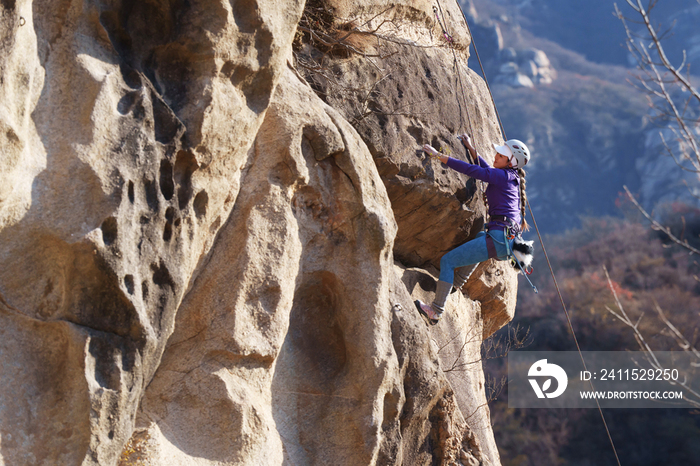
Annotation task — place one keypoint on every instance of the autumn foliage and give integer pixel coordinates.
(643, 270)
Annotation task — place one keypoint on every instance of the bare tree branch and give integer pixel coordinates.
(684, 344)
(656, 82)
(657, 226)
(319, 39)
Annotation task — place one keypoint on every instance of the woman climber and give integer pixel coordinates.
(506, 204)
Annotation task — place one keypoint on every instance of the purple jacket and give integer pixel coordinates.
(503, 193)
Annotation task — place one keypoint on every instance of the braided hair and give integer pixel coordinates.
(523, 201)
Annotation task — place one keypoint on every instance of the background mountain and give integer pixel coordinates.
(590, 129)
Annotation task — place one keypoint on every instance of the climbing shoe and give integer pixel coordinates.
(427, 311)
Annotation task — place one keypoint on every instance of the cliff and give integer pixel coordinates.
(213, 224)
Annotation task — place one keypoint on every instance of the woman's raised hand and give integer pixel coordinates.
(431, 151)
(466, 140)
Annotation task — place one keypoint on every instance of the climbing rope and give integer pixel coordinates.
(443, 25)
(539, 235)
(448, 37)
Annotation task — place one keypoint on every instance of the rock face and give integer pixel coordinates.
(209, 251)
(524, 68)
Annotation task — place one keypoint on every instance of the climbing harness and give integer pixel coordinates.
(511, 232)
(539, 236)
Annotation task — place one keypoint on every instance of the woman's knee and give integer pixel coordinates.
(469, 253)
(446, 262)
(451, 260)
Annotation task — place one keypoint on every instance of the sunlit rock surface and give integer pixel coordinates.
(208, 256)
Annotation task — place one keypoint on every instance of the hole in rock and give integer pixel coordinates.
(109, 231)
(104, 354)
(167, 186)
(321, 348)
(166, 123)
(151, 194)
(185, 165)
(127, 102)
(161, 276)
(201, 201)
(129, 283)
(168, 230)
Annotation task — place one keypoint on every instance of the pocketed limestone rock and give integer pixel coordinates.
(495, 285)
(282, 339)
(197, 248)
(123, 149)
(404, 86)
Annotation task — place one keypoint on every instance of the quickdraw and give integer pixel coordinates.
(445, 34)
(526, 270)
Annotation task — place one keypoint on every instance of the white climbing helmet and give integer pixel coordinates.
(516, 151)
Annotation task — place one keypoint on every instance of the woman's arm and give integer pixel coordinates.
(483, 171)
(467, 142)
(483, 163)
(430, 150)
(487, 174)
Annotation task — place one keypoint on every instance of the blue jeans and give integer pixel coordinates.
(473, 252)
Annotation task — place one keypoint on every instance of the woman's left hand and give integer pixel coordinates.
(431, 151)
(466, 140)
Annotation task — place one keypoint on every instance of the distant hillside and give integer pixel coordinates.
(643, 269)
(589, 129)
(591, 29)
